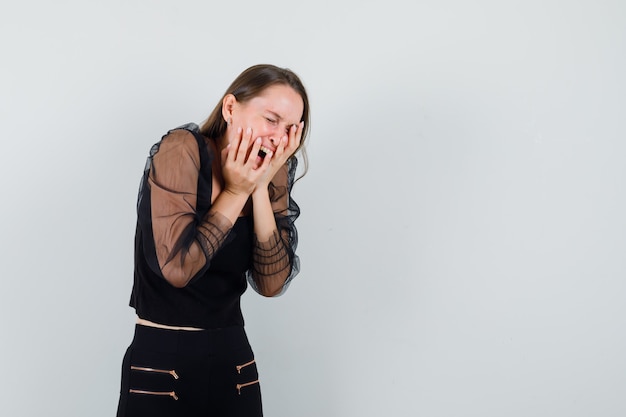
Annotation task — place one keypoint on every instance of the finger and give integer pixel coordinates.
(254, 152)
(244, 145)
(282, 144)
(299, 131)
(266, 162)
(295, 135)
(234, 144)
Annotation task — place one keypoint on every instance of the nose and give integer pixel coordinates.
(275, 136)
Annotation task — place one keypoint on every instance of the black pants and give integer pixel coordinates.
(209, 373)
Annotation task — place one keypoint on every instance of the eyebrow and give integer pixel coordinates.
(279, 117)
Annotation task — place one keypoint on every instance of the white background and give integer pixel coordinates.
(462, 233)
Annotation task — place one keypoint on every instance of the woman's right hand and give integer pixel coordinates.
(239, 163)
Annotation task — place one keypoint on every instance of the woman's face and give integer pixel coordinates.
(270, 114)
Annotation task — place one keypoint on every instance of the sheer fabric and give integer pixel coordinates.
(275, 261)
(191, 264)
(185, 238)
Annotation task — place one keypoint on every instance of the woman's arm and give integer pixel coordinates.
(184, 242)
(274, 262)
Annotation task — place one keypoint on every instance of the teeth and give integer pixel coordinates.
(265, 150)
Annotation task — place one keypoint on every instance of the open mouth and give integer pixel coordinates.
(264, 151)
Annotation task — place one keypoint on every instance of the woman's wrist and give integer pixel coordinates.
(261, 191)
(229, 204)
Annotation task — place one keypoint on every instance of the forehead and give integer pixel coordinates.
(281, 100)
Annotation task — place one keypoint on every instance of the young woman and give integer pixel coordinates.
(214, 213)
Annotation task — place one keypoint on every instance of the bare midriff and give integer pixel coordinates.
(149, 323)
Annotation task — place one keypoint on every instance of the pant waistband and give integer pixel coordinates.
(181, 341)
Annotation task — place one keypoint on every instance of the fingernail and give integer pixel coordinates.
(249, 130)
(258, 140)
(239, 129)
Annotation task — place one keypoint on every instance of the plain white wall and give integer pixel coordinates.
(462, 229)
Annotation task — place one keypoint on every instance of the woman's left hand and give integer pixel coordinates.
(286, 148)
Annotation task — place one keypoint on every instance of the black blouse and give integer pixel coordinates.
(191, 265)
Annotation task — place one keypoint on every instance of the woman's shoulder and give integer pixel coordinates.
(183, 133)
(177, 143)
(185, 137)
(189, 127)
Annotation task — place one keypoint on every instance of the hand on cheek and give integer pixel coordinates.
(295, 136)
(240, 169)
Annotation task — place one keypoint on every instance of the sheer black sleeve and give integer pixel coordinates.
(274, 262)
(185, 239)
